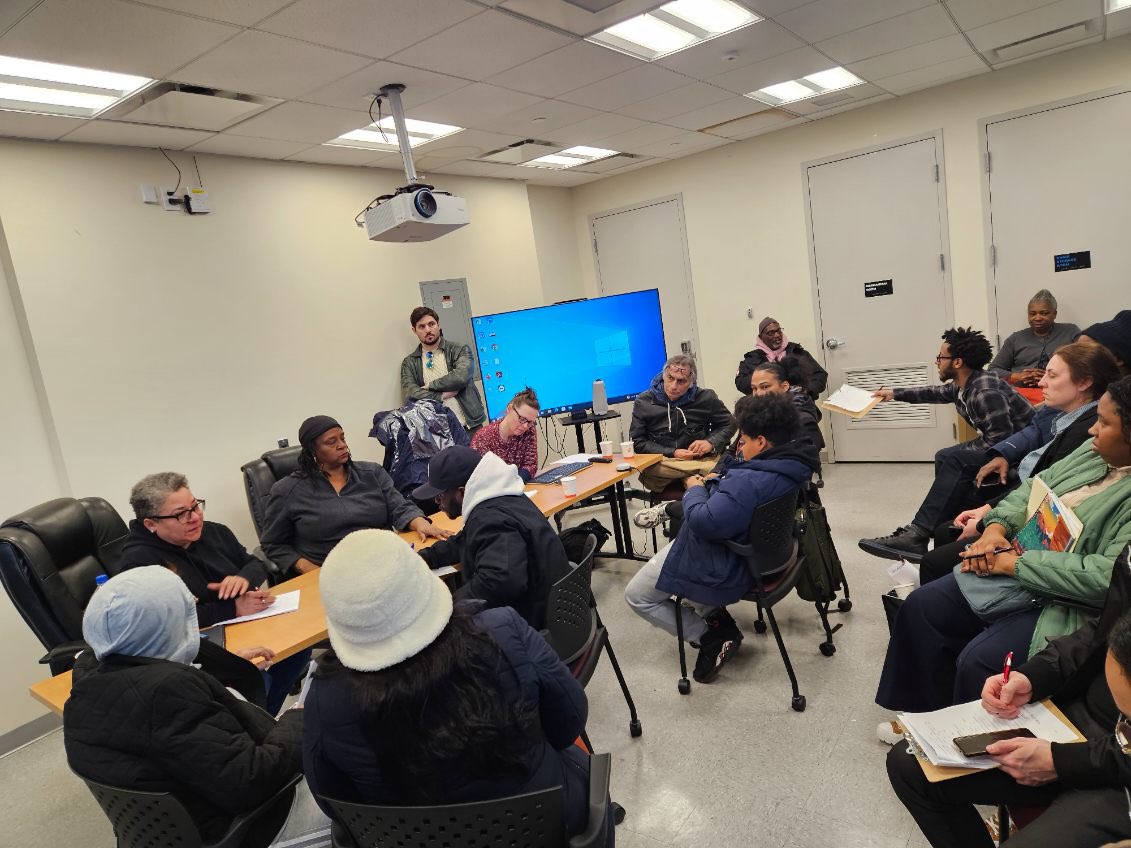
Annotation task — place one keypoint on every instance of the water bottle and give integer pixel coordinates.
(99, 580)
(600, 400)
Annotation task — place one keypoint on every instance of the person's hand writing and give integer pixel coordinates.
(1028, 761)
(252, 654)
(998, 466)
(255, 601)
(884, 394)
(693, 480)
(428, 530)
(682, 453)
(230, 586)
(1005, 700)
(700, 447)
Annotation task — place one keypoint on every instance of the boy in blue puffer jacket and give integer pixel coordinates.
(770, 462)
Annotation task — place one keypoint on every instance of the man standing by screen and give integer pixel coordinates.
(440, 370)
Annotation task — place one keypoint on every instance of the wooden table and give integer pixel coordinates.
(292, 632)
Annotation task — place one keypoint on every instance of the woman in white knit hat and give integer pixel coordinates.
(418, 703)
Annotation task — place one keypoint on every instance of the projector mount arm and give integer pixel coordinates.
(392, 94)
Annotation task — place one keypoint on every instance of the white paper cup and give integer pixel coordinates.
(627, 450)
(569, 486)
(606, 448)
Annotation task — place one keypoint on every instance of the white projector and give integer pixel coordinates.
(416, 216)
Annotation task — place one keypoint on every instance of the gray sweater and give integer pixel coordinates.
(1025, 349)
(306, 517)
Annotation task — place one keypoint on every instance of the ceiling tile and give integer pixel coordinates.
(391, 162)
(27, 125)
(566, 179)
(910, 58)
(683, 144)
(483, 169)
(335, 155)
(676, 102)
(596, 129)
(605, 166)
(762, 122)
(846, 107)
(835, 100)
(305, 122)
(631, 86)
(971, 14)
(825, 18)
(468, 144)
(718, 113)
(926, 24)
(575, 65)
(649, 134)
(11, 11)
(743, 47)
(788, 66)
(772, 8)
(372, 29)
(538, 119)
(242, 12)
(111, 35)
(474, 105)
(935, 74)
(258, 148)
(573, 17)
(262, 63)
(484, 45)
(1055, 15)
(356, 90)
(135, 135)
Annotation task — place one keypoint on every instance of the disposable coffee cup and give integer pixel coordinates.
(627, 450)
(569, 486)
(606, 448)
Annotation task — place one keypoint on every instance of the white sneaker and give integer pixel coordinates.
(890, 732)
(652, 516)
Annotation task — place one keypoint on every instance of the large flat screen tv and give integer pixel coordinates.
(560, 350)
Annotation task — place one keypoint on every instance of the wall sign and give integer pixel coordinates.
(1072, 261)
(878, 288)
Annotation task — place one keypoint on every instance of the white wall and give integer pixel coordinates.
(192, 343)
(551, 213)
(744, 202)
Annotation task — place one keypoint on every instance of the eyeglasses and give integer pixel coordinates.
(940, 358)
(775, 331)
(522, 419)
(183, 515)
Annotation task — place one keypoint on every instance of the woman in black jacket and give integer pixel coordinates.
(141, 717)
(418, 705)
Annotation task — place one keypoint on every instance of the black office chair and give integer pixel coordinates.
(575, 631)
(774, 560)
(259, 476)
(158, 820)
(533, 820)
(50, 556)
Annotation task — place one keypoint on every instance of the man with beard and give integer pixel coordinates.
(987, 402)
(509, 554)
(440, 370)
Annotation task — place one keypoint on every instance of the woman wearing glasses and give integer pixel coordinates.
(221, 575)
(514, 437)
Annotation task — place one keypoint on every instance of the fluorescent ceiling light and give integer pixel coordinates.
(571, 157)
(821, 82)
(382, 135)
(675, 26)
(50, 89)
(1116, 6)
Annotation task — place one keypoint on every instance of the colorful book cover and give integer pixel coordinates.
(1051, 527)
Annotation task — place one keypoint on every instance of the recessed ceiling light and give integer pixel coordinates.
(1116, 6)
(382, 135)
(821, 82)
(673, 27)
(46, 88)
(571, 157)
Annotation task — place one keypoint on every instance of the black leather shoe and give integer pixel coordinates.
(907, 543)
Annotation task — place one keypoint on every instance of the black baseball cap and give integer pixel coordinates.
(449, 469)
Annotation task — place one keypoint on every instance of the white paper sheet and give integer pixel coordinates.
(851, 398)
(444, 570)
(284, 603)
(935, 732)
(574, 457)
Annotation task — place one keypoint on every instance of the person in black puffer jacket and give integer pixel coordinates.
(772, 347)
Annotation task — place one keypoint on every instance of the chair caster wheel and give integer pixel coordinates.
(634, 728)
(828, 649)
(799, 703)
(618, 813)
(684, 686)
(844, 604)
(759, 626)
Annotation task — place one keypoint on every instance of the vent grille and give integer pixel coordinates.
(832, 99)
(892, 415)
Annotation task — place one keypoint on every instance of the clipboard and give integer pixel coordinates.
(855, 416)
(850, 394)
(937, 774)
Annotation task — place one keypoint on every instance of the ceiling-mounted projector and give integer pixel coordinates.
(416, 214)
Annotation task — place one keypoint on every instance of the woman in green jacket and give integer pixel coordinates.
(954, 632)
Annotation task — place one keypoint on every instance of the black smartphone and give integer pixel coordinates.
(975, 745)
(600, 459)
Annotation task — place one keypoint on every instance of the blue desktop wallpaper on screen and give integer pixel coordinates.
(560, 350)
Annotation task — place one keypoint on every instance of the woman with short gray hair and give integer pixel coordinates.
(1024, 355)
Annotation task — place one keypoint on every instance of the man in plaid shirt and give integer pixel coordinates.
(988, 403)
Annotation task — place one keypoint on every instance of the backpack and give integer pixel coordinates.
(821, 574)
(573, 538)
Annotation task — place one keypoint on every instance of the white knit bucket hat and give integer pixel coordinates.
(383, 604)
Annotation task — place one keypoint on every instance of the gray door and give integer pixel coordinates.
(883, 292)
(450, 300)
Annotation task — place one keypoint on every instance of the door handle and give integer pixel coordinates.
(833, 344)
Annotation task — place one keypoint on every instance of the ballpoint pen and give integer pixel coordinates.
(1008, 666)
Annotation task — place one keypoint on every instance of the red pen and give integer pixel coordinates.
(1008, 666)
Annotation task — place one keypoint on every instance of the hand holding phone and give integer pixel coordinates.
(975, 745)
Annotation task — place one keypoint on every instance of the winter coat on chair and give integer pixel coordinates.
(412, 435)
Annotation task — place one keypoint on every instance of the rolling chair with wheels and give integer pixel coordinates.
(259, 476)
(158, 820)
(576, 633)
(532, 820)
